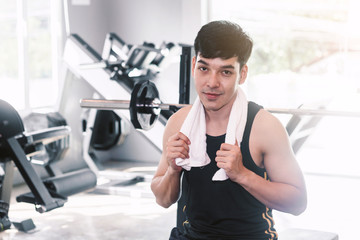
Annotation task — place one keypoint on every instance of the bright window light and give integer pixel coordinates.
(28, 67)
(305, 53)
(300, 48)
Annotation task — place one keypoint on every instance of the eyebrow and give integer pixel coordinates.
(223, 67)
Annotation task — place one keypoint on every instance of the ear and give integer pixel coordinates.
(193, 65)
(243, 74)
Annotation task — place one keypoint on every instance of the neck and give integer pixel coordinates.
(217, 120)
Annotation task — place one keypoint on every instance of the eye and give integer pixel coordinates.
(227, 73)
(202, 69)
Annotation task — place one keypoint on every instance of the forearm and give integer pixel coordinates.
(166, 188)
(280, 196)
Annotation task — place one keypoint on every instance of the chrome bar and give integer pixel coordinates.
(104, 104)
(313, 112)
(156, 104)
(124, 104)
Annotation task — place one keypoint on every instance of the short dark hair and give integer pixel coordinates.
(223, 39)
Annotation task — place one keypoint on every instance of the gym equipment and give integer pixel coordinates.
(142, 93)
(136, 62)
(299, 234)
(111, 74)
(125, 68)
(18, 146)
(107, 130)
(144, 106)
(313, 112)
(4, 219)
(153, 105)
(25, 225)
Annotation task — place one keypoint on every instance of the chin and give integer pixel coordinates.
(212, 107)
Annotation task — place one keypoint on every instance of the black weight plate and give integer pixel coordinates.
(142, 116)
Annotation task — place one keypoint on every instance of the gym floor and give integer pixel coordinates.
(130, 212)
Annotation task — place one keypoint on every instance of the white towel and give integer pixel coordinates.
(194, 127)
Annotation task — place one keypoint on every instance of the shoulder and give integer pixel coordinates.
(267, 122)
(264, 118)
(268, 130)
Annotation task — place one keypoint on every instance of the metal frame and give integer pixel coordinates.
(124, 104)
(42, 199)
(314, 112)
(185, 75)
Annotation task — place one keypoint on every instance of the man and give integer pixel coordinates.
(262, 172)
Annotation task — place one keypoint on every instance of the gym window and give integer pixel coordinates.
(306, 52)
(30, 51)
(300, 45)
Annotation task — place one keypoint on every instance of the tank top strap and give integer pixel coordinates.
(253, 109)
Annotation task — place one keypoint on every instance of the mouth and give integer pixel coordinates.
(211, 96)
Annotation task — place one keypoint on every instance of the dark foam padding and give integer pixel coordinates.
(71, 183)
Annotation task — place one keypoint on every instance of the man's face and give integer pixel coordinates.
(216, 81)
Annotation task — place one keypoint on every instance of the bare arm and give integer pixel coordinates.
(166, 181)
(286, 191)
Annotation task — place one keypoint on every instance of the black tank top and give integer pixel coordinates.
(224, 209)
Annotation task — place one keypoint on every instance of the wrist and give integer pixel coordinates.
(244, 177)
(174, 172)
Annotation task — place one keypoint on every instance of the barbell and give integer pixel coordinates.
(145, 106)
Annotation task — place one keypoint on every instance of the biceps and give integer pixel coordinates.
(284, 170)
(280, 162)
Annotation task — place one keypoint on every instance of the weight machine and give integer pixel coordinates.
(125, 65)
(119, 72)
(18, 146)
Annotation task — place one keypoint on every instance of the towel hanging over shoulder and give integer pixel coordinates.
(194, 127)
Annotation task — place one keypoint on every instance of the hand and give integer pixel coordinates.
(229, 158)
(177, 147)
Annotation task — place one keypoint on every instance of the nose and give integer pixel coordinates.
(213, 81)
